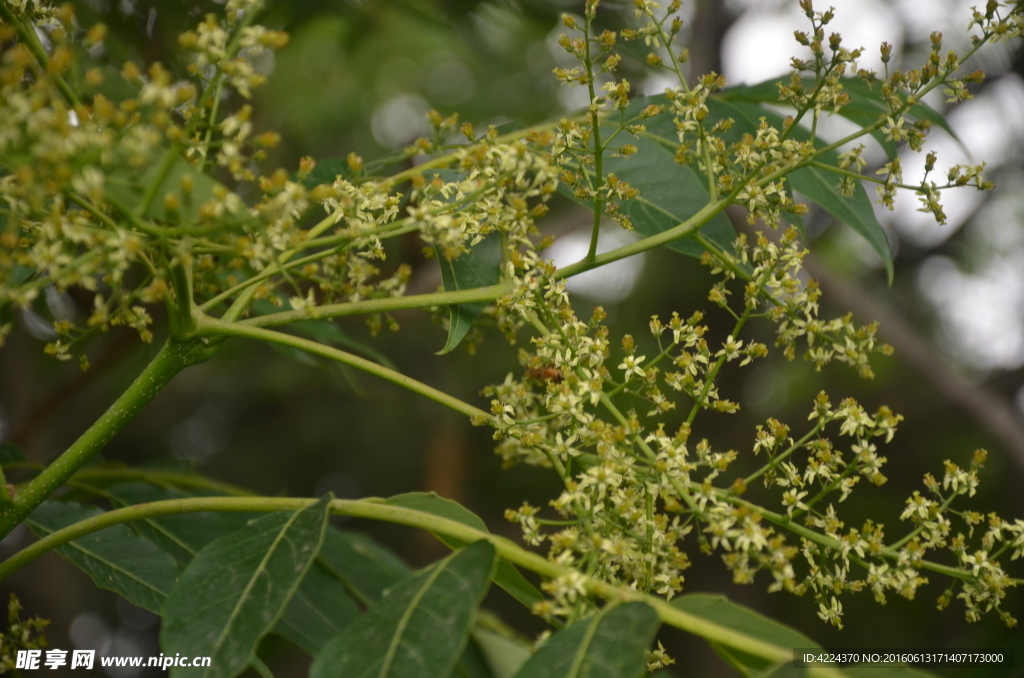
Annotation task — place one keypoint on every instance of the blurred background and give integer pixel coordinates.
(359, 75)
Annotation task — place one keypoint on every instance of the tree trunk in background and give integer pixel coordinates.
(710, 24)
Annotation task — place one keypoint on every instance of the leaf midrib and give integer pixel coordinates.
(252, 581)
(403, 621)
(588, 638)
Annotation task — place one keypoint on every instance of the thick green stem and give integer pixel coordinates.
(375, 509)
(171, 359)
(182, 323)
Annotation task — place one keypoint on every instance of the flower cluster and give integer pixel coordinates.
(488, 189)
(635, 491)
(116, 197)
(95, 193)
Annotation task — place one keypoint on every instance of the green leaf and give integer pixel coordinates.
(420, 628)
(10, 454)
(321, 607)
(327, 171)
(611, 644)
(865, 108)
(504, 655)
(815, 184)
(861, 91)
(366, 568)
(722, 611)
(670, 194)
(856, 212)
(472, 663)
(238, 586)
(506, 575)
(319, 611)
(480, 267)
(126, 187)
(115, 558)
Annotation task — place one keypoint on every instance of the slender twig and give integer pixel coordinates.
(31, 40)
(595, 131)
(211, 327)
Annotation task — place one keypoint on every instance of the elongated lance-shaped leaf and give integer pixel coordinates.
(866, 106)
(669, 194)
(722, 611)
(115, 558)
(505, 574)
(366, 568)
(238, 586)
(420, 628)
(817, 185)
(505, 656)
(611, 644)
(479, 267)
(321, 607)
(319, 611)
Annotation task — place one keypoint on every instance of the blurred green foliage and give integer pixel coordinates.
(357, 76)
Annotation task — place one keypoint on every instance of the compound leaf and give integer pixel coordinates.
(321, 607)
